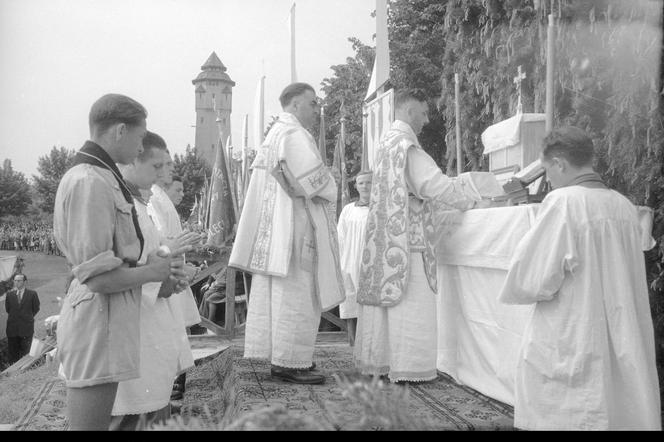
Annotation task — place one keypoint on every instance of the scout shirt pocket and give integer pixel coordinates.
(125, 240)
(78, 293)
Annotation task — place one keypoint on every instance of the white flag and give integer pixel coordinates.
(291, 26)
(259, 114)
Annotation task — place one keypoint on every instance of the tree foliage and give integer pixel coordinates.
(15, 196)
(193, 170)
(608, 82)
(348, 87)
(51, 168)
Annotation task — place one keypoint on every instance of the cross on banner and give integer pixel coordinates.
(517, 80)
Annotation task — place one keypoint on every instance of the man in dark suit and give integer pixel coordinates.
(22, 305)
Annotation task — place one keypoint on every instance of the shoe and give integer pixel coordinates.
(178, 392)
(296, 376)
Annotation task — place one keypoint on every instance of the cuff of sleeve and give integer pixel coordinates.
(102, 263)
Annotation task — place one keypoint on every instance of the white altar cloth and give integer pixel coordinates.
(479, 338)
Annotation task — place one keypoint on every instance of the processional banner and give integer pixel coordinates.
(377, 116)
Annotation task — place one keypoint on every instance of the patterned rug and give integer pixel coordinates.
(229, 389)
(47, 410)
(239, 389)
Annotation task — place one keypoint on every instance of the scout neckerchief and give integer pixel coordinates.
(94, 155)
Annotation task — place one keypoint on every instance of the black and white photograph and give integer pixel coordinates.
(331, 215)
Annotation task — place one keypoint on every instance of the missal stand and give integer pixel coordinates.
(513, 147)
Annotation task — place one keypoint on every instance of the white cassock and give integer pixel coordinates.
(167, 220)
(164, 349)
(351, 230)
(587, 360)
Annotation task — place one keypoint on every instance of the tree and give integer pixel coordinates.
(193, 170)
(52, 168)
(348, 87)
(15, 194)
(416, 51)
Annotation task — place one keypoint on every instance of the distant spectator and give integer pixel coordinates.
(21, 305)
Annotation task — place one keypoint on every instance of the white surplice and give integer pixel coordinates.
(164, 345)
(287, 240)
(351, 230)
(401, 340)
(587, 359)
(167, 220)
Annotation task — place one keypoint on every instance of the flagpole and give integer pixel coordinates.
(231, 182)
(342, 153)
(292, 36)
(365, 140)
(321, 137)
(457, 94)
(208, 204)
(550, 70)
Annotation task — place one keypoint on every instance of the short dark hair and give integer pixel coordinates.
(151, 142)
(362, 173)
(571, 143)
(25, 278)
(177, 178)
(404, 96)
(292, 91)
(113, 109)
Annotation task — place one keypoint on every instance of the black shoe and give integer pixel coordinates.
(296, 376)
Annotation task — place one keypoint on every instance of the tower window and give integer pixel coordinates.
(202, 120)
(214, 96)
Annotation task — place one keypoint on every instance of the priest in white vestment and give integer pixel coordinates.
(287, 239)
(351, 230)
(164, 345)
(587, 359)
(397, 326)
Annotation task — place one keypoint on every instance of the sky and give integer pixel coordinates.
(58, 56)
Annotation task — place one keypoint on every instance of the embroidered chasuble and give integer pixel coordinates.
(399, 223)
(288, 167)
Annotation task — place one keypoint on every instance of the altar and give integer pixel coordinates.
(478, 337)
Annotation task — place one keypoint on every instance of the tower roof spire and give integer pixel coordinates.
(213, 63)
(213, 69)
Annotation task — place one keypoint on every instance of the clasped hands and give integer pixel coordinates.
(171, 253)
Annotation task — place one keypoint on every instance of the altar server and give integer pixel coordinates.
(587, 360)
(351, 228)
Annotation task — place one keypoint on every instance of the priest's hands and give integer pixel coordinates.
(484, 203)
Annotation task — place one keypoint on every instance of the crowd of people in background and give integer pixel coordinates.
(28, 237)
